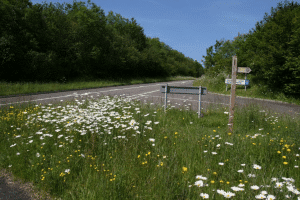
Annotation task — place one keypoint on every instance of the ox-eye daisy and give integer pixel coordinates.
(204, 196)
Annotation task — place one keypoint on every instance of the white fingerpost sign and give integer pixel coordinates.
(245, 70)
(244, 82)
(238, 81)
(184, 90)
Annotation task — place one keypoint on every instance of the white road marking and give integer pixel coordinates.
(252, 98)
(76, 94)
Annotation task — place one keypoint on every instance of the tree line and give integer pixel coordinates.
(271, 50)
(47, 42)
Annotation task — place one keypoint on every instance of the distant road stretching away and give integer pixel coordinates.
(150, 93)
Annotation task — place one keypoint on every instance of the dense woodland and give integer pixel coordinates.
(48, 42)
(271, 50)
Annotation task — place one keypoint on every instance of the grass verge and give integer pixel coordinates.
(115, 148)
(9, 89)
(255, 90)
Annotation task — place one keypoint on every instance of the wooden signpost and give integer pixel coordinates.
(233, 81)
(232, 96)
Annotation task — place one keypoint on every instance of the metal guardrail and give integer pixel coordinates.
(184, 90)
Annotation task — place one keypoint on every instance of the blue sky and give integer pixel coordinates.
(189, 26)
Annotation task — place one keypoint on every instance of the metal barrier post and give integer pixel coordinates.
(199, 106)
(227, 84)
(166, 89)
(245, 80)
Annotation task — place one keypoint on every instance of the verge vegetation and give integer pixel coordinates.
(254, 90)
(7, 89)
(270, 49)
(115, 148)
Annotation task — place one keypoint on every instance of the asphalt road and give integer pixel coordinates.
(150, 93)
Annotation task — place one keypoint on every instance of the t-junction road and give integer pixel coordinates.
(150, 93)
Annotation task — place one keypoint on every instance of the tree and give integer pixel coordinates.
(273, 50)
(209, 62)
(88, 37)
(49, 29)
(50, 41)
(14, 40)
(127, 41)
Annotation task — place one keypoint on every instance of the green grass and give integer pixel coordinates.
(75, 150)
(29, 88)
(255, 90)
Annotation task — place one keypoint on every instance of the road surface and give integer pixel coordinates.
(150, 93)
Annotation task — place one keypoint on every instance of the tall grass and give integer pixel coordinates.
(117, 148)
(254, 90)
(37, 87)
